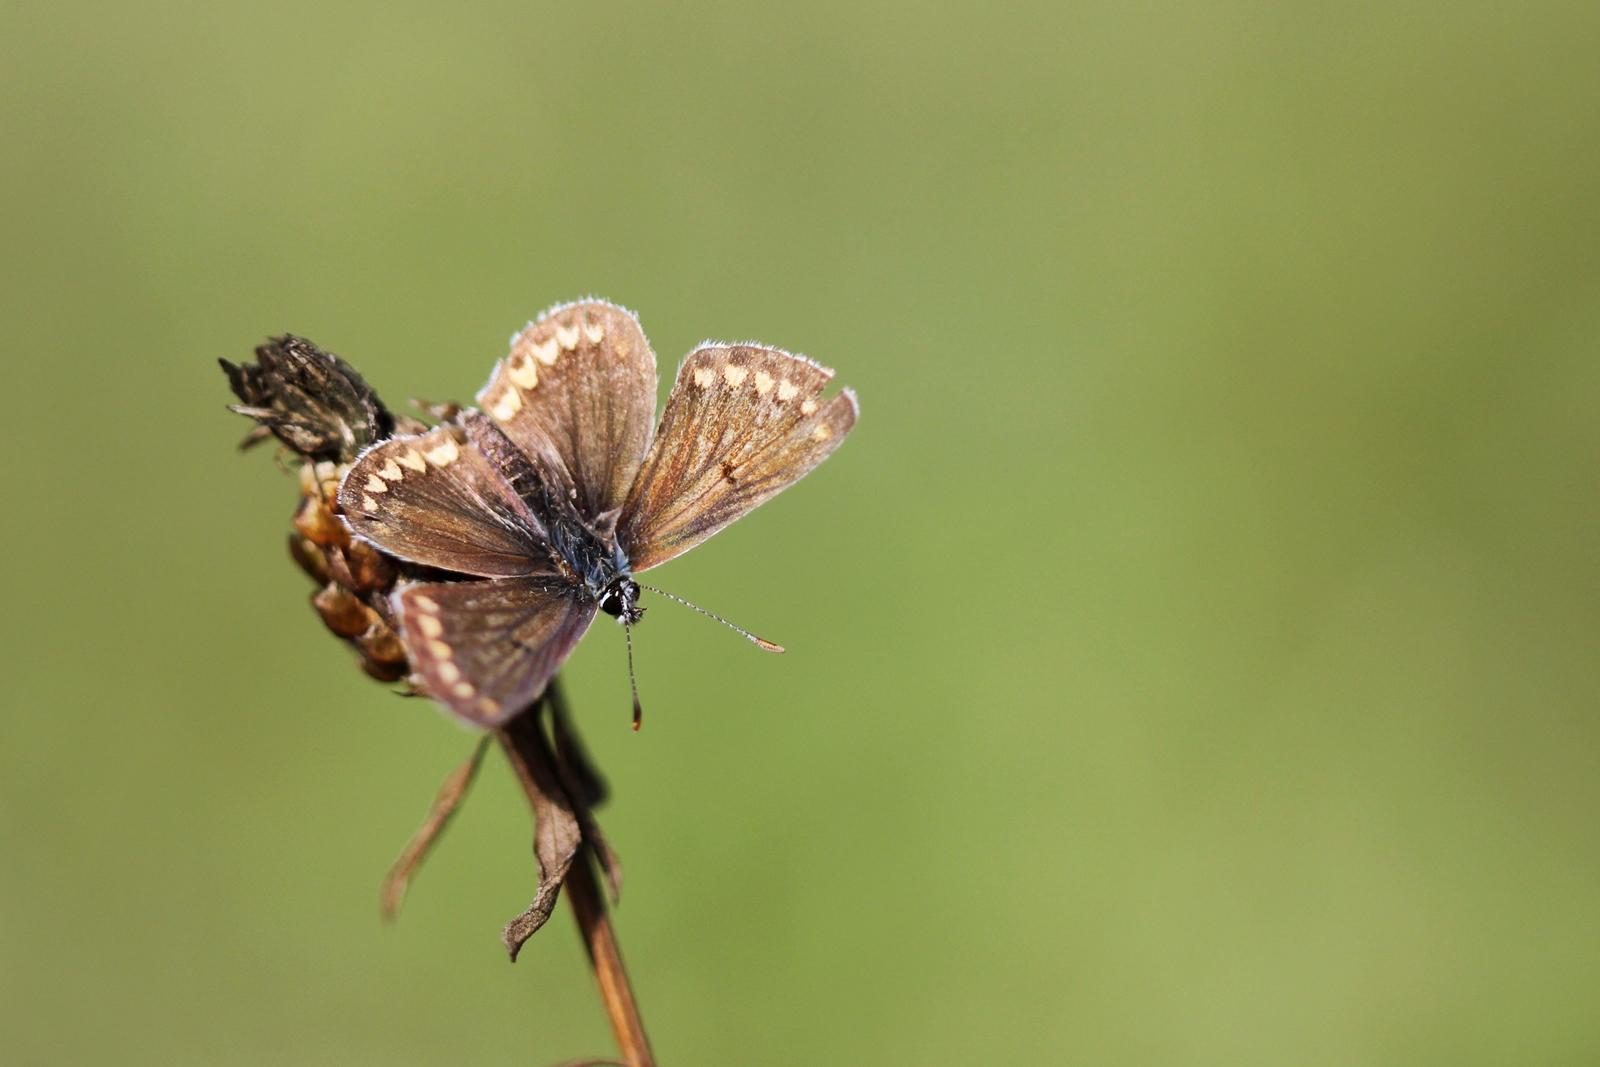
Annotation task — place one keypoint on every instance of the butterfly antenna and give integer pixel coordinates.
(638, 712)
(768, 645)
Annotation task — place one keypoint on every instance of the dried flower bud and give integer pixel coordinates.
(370, 570)
(311, 558)
(317, 522)
(342, 611)
(381, 647)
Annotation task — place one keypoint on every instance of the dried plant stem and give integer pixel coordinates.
(600, 938)
(594, 922)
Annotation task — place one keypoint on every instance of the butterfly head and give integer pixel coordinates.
(621, 600)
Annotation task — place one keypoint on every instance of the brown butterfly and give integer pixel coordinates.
(558, 493)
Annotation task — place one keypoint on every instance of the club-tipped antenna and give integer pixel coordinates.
(768, 645)
(638, 712)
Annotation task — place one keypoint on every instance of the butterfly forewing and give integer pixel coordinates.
(742, 423)
(580, 384)
(487, 649)
(434, 499)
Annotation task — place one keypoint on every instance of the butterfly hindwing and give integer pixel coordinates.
(486, 649)
(435, 499)
(742, 423)
(580, 384)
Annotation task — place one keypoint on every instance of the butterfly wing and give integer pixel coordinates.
(437, 500)
(486, 649)
(580, 385)
(742, 423)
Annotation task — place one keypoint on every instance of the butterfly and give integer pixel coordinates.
(555, 492)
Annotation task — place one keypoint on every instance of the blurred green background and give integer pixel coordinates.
(1193, 654)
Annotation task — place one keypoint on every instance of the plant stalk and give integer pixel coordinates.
(594, 925)
(600, 938)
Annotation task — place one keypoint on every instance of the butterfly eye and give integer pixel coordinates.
(619, 600)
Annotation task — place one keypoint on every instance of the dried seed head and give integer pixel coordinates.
(311, 400)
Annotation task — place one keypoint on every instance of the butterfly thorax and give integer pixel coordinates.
(584, 549)
(593, 561)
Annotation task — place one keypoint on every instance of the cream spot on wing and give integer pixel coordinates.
(426, 603)
(463, 689)
(508, 405)
(444, 454)
(376, 484)
(734, 374)
(821, 433)
(764, 382)
(567, 338)
(546, 353)
(808, 407)
(594, 331)
(429, 625)
(440, 650)
(787, 390)
(368, 504)
(489, 706)
(622, 345)
(449, 673)
(391, 470)
(524, 375)
(413, 459)
(703, 376)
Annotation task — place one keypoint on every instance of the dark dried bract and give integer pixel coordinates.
(311, 400)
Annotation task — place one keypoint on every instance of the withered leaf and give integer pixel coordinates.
(557, 835)
(583, 784)
(444, 805)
